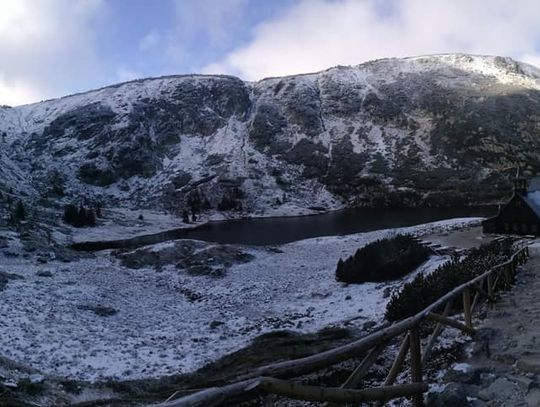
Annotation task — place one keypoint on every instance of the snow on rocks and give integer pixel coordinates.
(168, 321)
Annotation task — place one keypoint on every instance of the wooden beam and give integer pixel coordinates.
(436, 332)
(216, 395)
(337, 395)
(480, 290)
(451, 322)
(396, 366)
(361, 370)
(490, 285)
(308, 364)
(416, 364)
(398, 362)
(213, 395)
(467, 307)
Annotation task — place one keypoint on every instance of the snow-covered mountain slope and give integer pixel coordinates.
(428, 130)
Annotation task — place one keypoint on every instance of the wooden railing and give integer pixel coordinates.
(265, 378)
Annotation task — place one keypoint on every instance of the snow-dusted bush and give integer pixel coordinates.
(382, 260)
(426, 289)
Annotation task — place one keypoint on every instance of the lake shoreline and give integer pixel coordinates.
(264, 231)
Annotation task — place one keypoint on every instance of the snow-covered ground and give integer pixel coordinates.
(170, 322)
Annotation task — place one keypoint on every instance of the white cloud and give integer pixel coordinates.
(316, 34)
(210, 24)
(149, 41)
(46, 47)
(16, 93)
(125, 74)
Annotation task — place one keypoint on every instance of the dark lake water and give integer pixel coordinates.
(271, 231)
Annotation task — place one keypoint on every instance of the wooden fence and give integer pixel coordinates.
(472, 293)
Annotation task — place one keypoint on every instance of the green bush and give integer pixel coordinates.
(426, 289)
(382, 260)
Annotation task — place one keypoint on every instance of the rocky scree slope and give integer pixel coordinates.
(432, 130)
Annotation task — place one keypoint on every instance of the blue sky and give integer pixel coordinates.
(49, 48)
(149, 37)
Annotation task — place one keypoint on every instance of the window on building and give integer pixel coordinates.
(534, 228)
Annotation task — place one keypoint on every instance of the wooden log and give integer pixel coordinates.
(436, 332)
(476, 299)
(416, 364)
(396, 366)
(451, 322)
(214, 396)
(337, 395)
(467, 307)
(361, 370)
(489, 281)
(480, 290)
(308, 364)
(497, 279)
(509, 272)
(398, 362)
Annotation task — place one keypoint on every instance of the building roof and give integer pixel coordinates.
(534, 184)
(533, 200)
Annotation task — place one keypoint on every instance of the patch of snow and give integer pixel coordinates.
(461, 367)
(158, 330)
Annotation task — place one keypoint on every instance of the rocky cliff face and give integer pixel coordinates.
(432, 130)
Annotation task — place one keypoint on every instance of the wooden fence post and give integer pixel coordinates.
(436, 332)
(416, 364)
(467, 307)
(490, 285)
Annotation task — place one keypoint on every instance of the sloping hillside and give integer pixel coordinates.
(433, 130)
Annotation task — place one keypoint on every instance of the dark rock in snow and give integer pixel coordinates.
(99, 310)
(453, 395)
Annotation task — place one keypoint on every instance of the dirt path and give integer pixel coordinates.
(504, 367)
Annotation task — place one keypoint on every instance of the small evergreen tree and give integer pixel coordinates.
(90, 218)
(98, 209)
(81, 214)
(20, 211)
(185, 216)
(71, 215)
(206, 204)
(79, 217)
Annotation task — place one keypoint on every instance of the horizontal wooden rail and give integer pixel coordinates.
(265, 377)
(339, 395)
(451, 322)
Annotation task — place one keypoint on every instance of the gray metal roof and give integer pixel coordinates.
(534, 184)
(533, 200)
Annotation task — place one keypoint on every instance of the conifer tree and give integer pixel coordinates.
(185, 216)
(20, 211)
